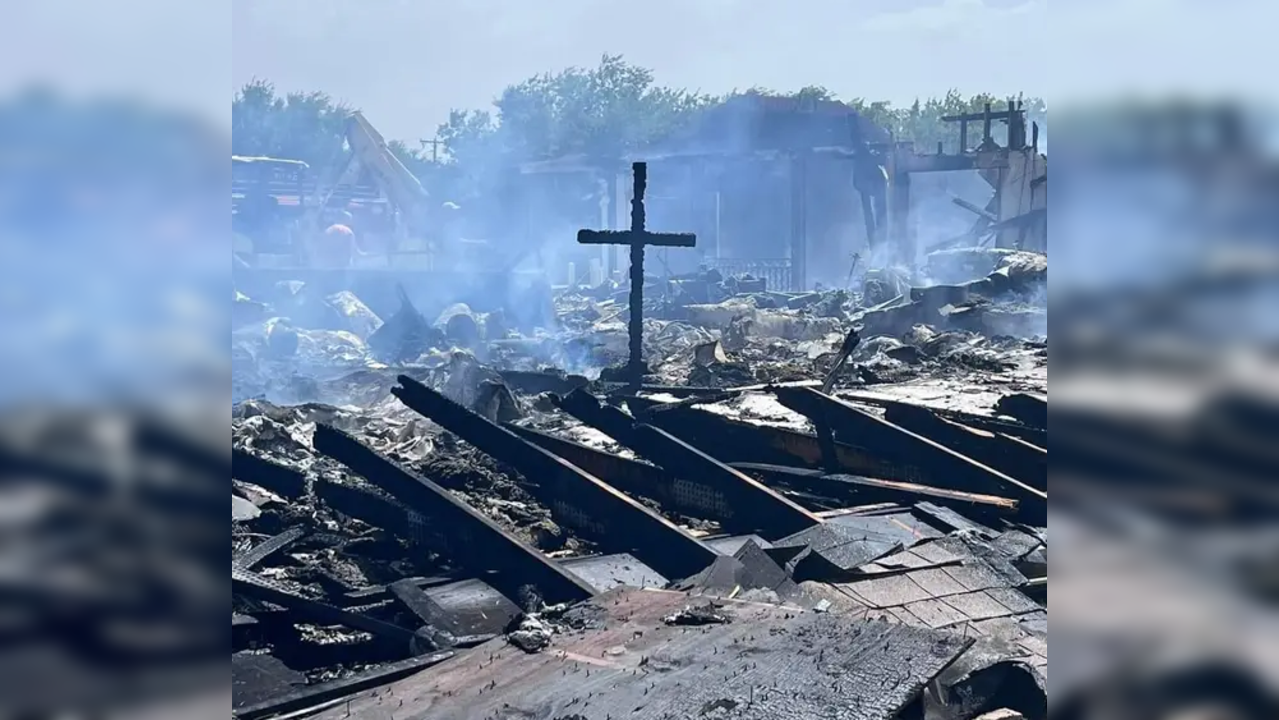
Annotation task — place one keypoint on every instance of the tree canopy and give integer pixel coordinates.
(604, 111)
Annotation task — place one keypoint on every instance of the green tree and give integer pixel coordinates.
(296, 126)
(604, 111)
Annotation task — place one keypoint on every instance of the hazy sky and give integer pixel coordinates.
(407, 62)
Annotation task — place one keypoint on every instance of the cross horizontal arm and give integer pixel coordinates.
(628, 237)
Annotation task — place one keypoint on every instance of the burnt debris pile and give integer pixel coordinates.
(796, 493)
(697, 494)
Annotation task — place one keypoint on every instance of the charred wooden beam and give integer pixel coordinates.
(1027, 409)
(1001, 115)
(951, 469)
(853, 490)
(379, 593)
(763, 511)
(441, 625)
(1010, 456)
(277, 478)
(475, 541)
(650, 481)
(371, 508)
(265, 549)
(740, 441)
(738, 502)
(629, 476)
(249, 584)
(576, 498)
(1033, 435)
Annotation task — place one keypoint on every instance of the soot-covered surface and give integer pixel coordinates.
(767, 663)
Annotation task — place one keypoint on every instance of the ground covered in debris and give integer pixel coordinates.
(329, 564)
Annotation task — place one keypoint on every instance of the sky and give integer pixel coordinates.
(406, 63)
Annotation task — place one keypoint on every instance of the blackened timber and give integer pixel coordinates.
(854, 490)
(249, 584)
(265, 549)
(476, 542)
(1007, 455)
(277, 478)
(898, 444)
(762, 510)
(378, 593)
(576, 498)
(424, 607)
(369, 507)
(734, 441)
(738, 502)
(629, 476)
(1029, 409)
(1032, 435)
(632, 476)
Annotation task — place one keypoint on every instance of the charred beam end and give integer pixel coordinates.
(577, 498)
(609, 420)
(265, 549)
(711, 488)
(374, 509)
(478, 542)
(280, 480)
(244, 582)
(660, 484)
(629, 476)
(759, 507)
(426, 609)
(1014, 458)
(740, 441)
(1027, 434)
(1027, 409)
(902, 445)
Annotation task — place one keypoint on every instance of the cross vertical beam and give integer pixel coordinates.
(637, 238)
(635, 366)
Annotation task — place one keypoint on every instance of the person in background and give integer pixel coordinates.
(337, 246)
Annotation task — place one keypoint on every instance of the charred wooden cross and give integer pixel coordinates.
(637, 238)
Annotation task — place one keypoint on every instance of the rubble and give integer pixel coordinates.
(815, 476)
(405, 336)
(533, 634)
(694, 616)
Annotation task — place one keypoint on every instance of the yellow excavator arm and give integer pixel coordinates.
(370, 152)
(402, 188)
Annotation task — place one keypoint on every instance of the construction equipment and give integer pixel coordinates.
(394, 208)
(401, 236)
(370, 153)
